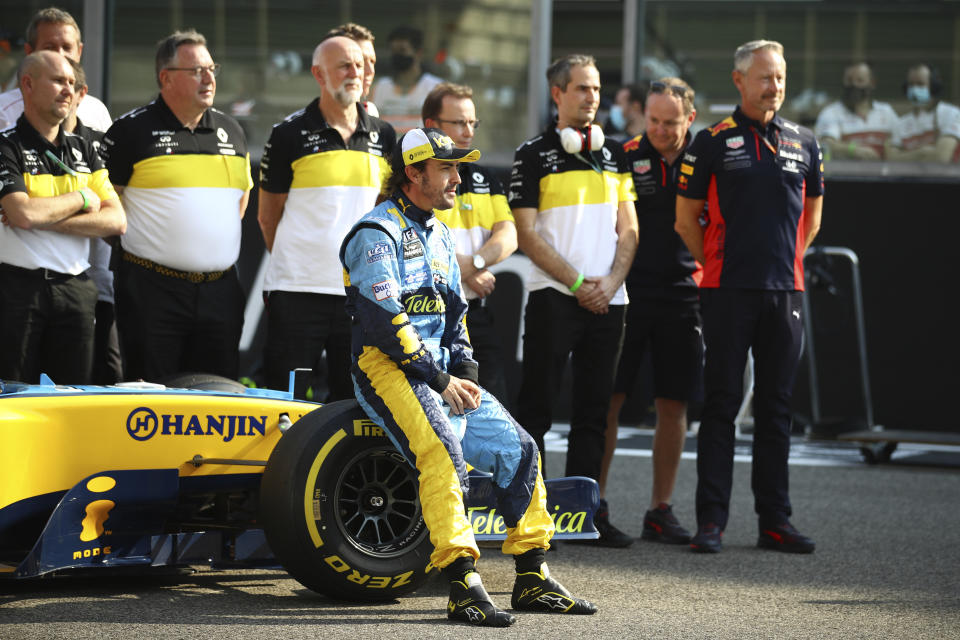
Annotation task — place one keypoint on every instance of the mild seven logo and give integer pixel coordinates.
(143, 423)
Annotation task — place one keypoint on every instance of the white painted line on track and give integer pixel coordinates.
(803, 453)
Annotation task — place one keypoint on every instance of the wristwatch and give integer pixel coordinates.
(479, 262)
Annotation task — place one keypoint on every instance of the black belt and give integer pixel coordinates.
(38, 274)
(191, 276)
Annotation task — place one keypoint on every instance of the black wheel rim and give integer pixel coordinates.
(378, 508)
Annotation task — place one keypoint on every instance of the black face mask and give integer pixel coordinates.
(855, 95)
(401, 62)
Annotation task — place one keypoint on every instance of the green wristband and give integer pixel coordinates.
(576, 285)
(851, 147)
(86, 203)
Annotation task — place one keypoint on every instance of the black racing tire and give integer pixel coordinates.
(340, 509)
(202, 382)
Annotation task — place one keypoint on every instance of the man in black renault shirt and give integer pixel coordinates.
(762, 181)
(183, 171)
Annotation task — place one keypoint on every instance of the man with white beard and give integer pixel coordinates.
(320, 172)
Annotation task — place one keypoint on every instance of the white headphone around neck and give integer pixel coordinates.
(577, 140)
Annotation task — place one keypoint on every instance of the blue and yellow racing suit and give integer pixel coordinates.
(404, 295)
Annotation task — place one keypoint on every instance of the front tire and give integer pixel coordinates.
(340, 508)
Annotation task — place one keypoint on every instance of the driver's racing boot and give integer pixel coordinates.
(535, 590)
(469, 601)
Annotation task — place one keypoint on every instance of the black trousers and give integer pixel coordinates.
(487, 350)
(46, 325)
(734, 321)
(555, 327)
(169, 326)
(300, 328)
(107, 364)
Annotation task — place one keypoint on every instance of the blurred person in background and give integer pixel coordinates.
(930, 130)
(53, 29)
(400, 95)
(482, 225)
(856, 127)
(625, 120)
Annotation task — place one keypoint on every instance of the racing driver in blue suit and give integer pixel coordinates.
(414, 375)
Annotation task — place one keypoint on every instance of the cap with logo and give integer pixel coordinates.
(426, 143)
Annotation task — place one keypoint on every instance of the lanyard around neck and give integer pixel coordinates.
(60, 163)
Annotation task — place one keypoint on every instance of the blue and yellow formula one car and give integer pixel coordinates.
(154, 475)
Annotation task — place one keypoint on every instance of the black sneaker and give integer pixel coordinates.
(783, 537)
(661, 525)
(708, 539)
(537, 591)
(470, 603)
(610, 536)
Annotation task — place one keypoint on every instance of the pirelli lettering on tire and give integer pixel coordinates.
(367, 428)
(371, 582)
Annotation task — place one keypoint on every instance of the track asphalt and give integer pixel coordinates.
(887, 565)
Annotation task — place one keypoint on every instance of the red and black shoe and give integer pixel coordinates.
(709, 539)
(784, 537)
(661, 525)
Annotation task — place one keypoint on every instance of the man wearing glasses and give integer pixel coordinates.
(183, 171)
(482, 224)
(762, 178)
(663, 316)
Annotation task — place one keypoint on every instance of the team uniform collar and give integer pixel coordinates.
(314, 114)
(206, 120)
(741, 118)
(32, 137)
(412, 211)
(645, 147)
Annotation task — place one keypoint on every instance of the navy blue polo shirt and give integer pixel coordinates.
(755, 180)
(662, 267)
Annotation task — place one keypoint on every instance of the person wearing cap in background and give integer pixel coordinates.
(415, 376)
